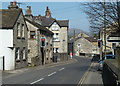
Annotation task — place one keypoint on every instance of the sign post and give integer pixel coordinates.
(79, 48)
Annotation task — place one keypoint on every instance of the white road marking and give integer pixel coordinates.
(51, 74)
(61, 69)
(37, 81)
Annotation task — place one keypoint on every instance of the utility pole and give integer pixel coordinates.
(101, 32)
(101, 38)
(105, 28)
(74, 43)
(118, 7)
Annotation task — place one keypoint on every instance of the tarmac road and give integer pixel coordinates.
(63, 74)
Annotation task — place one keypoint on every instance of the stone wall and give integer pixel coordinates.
(21, 42)
(60, 57)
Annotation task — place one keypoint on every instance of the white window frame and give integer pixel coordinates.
(23, 30)
(18, 54)
(24, 54)
(18, 29)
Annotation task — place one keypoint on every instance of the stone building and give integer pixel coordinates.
(35, 32)
(84, 46)
(73, 38)
(13, 36)
(112, 39)
(59, 28)
(81, 34)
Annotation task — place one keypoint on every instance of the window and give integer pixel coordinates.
(32, 34)
(18, 29)
(23, 29)
(56, 37)
(24, 53)
(46, 43)
(56, 34)
(56, 50)
(55, 26)
(17, 54)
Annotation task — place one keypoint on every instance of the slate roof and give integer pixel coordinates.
(48, 21)
(9, 17)
(72, 40)
(91, 39)
(63, 23)
(39, 26)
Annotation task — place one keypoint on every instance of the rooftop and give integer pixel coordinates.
(9, 17)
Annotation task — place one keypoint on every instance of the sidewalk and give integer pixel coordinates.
(92, 76)
(8, 73)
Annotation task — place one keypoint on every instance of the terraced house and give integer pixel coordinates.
(59, 28)
(38, 55)
(13, 36)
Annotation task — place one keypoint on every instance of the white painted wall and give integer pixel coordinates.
(1, 63)
(6, 40)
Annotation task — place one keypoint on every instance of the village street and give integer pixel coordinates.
(60, 43)
(63, 74)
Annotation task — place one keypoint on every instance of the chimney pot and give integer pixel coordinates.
(29, 7)
(28, 10)
(47, 13)
(14, 3)
(11, 3)
(47, 8)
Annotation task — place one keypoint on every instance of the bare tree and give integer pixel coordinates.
(95, 12)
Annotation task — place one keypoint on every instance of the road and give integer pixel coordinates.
(62, 74)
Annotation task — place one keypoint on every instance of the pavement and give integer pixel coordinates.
(92, 77)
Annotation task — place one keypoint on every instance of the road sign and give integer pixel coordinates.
(78, 45)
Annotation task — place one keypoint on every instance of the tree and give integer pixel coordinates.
(95, 12)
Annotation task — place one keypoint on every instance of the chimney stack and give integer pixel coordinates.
(47, 13)
(13, 5)
(28, 10)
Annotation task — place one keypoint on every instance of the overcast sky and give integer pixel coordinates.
(60, 10)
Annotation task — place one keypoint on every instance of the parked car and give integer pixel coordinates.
(110, 56)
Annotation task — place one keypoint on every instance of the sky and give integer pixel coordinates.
(72, 11)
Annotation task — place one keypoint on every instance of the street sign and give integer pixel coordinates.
(78, 45)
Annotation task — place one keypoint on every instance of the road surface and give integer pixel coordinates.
(62, 74)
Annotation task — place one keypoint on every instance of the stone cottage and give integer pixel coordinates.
(13, 36)
(37, 54)
(60, 30)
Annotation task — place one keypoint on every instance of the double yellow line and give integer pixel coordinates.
(84, 76)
